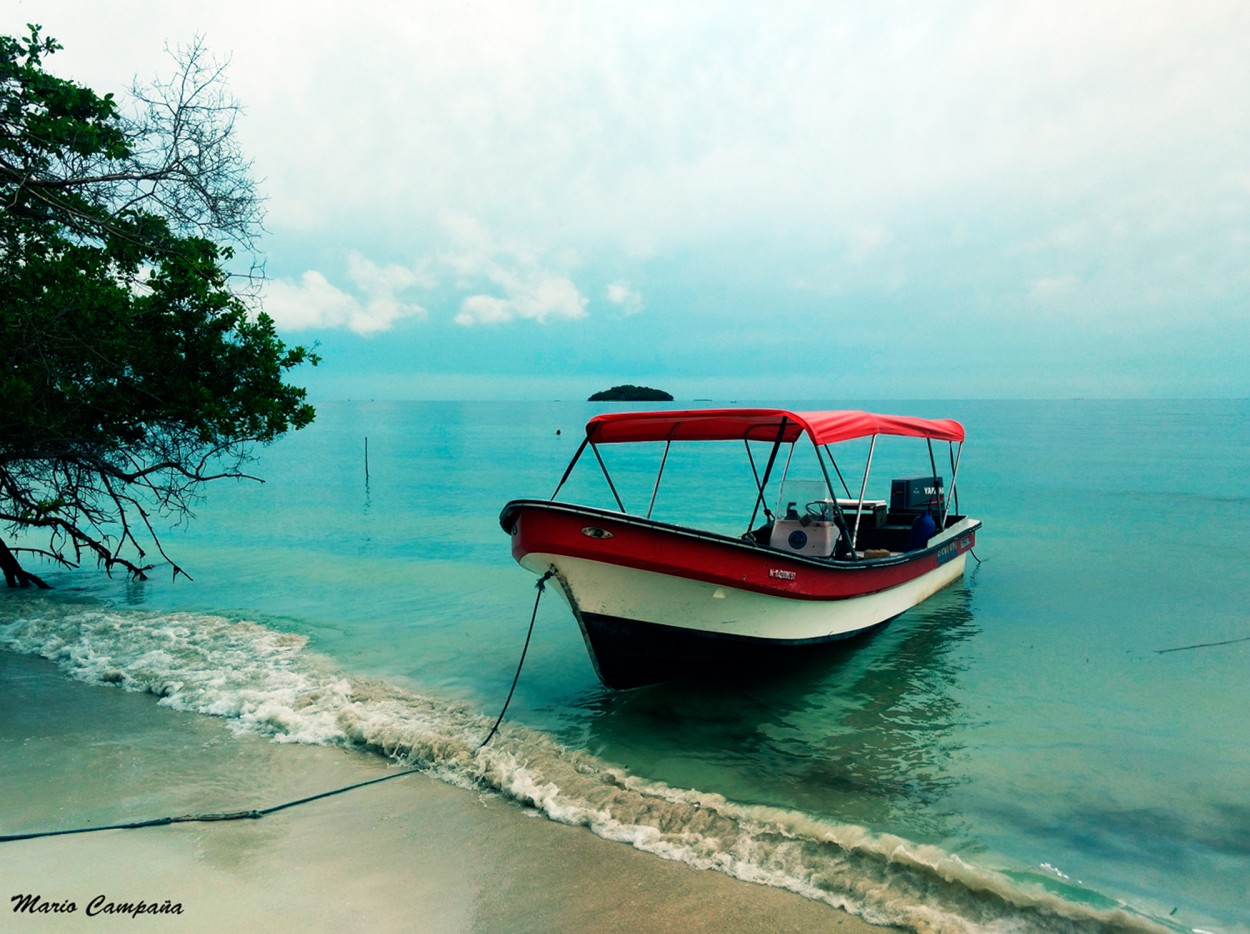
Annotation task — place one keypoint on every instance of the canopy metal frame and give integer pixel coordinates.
(786, 424)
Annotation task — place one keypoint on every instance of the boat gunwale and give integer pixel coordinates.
(939, 540)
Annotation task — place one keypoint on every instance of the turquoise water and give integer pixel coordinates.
(1059, 742)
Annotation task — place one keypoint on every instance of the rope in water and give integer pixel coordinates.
(541, 585)
(1202, 645)
(261, 812)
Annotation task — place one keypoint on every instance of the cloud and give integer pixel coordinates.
(1029, 162)
(313, 302)
(501, 281)
(625, 298)
(551, 297)
(484, 309)
(536, 300)
(793, 112)
(508, 279)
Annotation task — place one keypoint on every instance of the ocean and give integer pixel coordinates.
(1059, 742)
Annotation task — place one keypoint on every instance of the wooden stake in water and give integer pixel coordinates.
(366, 460)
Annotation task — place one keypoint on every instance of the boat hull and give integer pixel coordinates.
(656, 602)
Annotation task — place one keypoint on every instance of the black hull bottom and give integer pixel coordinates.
(627, 653)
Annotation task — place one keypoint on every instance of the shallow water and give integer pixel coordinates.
(1064, 729)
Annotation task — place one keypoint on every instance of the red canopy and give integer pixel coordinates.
(762, 425)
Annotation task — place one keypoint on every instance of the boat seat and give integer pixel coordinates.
(760, 536)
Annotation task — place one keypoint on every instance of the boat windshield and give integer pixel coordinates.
(799, 498)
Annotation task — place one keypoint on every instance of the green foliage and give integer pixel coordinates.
(131, 367)
(631, 393)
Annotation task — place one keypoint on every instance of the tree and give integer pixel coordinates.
(133, 364)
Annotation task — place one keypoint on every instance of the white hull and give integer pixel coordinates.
(628, 593)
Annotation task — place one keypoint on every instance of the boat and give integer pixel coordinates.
(697, 595)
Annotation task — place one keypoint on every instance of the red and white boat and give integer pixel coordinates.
(658, 600)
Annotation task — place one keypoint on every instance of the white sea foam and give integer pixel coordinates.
(267, 682)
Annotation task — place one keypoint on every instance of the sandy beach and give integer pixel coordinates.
(409, 854)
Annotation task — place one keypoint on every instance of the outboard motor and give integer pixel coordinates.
(916, 494)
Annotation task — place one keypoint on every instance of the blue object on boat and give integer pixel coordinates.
(921, 531)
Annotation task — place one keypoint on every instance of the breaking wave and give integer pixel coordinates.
(266, 682)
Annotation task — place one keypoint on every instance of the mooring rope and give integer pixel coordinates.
(205, 818)
(258, 813)
(1202, 645)
(541, 585)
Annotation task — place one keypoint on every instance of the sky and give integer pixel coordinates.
(823, 201)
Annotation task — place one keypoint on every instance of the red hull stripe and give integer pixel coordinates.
(541, 527)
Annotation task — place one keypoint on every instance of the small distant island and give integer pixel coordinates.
(631, 394)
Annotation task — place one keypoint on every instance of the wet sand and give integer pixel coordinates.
(409, 854)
